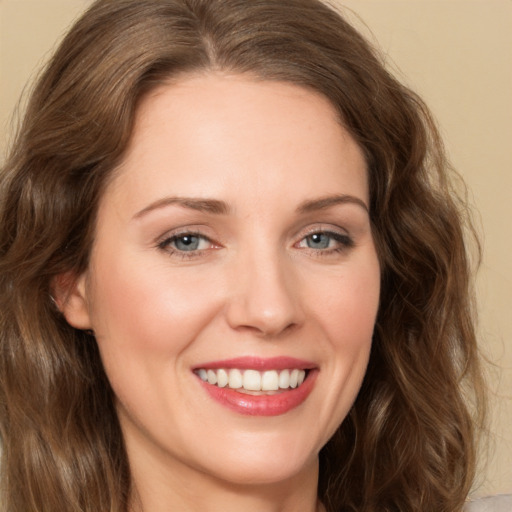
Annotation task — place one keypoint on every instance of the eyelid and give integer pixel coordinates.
(194, 230)
(323, 228)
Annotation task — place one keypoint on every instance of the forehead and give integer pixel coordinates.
(213, 135)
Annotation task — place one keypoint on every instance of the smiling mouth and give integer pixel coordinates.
(253, 382)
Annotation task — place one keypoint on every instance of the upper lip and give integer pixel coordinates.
(258, 363)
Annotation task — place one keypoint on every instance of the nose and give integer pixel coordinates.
(264, 296)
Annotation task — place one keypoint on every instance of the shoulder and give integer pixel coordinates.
(498, 503)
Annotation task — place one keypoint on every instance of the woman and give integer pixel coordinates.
(233, 273)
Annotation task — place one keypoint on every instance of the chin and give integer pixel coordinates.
(269, 472)
(263, 462)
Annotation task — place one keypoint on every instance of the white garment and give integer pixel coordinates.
(499, 503)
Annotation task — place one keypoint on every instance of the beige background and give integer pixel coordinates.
(458, 55)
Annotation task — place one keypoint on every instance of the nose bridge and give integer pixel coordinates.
(264, 296)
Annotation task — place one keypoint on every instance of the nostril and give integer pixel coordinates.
(265, 329)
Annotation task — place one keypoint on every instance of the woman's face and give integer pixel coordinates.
(233, 245)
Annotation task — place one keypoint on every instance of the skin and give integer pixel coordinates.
(256, 285)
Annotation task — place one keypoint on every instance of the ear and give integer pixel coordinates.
(70, 296)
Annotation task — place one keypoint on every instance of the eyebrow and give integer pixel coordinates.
(329, 201)
(216, 207)
(213, 206)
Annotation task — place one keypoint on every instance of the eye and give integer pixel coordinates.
(185, 243)
(318, 241)
(326, 241)
(188, 242)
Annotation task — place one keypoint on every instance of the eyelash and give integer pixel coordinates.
(345, 242)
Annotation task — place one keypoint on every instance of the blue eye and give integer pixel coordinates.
(186, 242)
(326, 241)
(318, 241)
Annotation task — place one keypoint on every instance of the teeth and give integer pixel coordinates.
(270, 381)
(253, 380)
(222, 378)
(284, 379)
(235, 379)
(212, 377)
(294, 377)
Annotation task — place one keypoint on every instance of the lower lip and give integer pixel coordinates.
(262, 405)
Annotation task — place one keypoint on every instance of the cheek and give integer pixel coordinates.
(348, 308)
(145, 319)
(150, 309)
(346, 311)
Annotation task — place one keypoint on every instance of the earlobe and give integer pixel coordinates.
(69, 294)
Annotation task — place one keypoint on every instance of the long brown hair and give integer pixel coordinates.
(408, 442)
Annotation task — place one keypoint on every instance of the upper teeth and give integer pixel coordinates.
(253, 380)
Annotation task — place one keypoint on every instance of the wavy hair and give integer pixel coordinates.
(408, 443)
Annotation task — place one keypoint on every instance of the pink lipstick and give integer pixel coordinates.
(257, 386)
